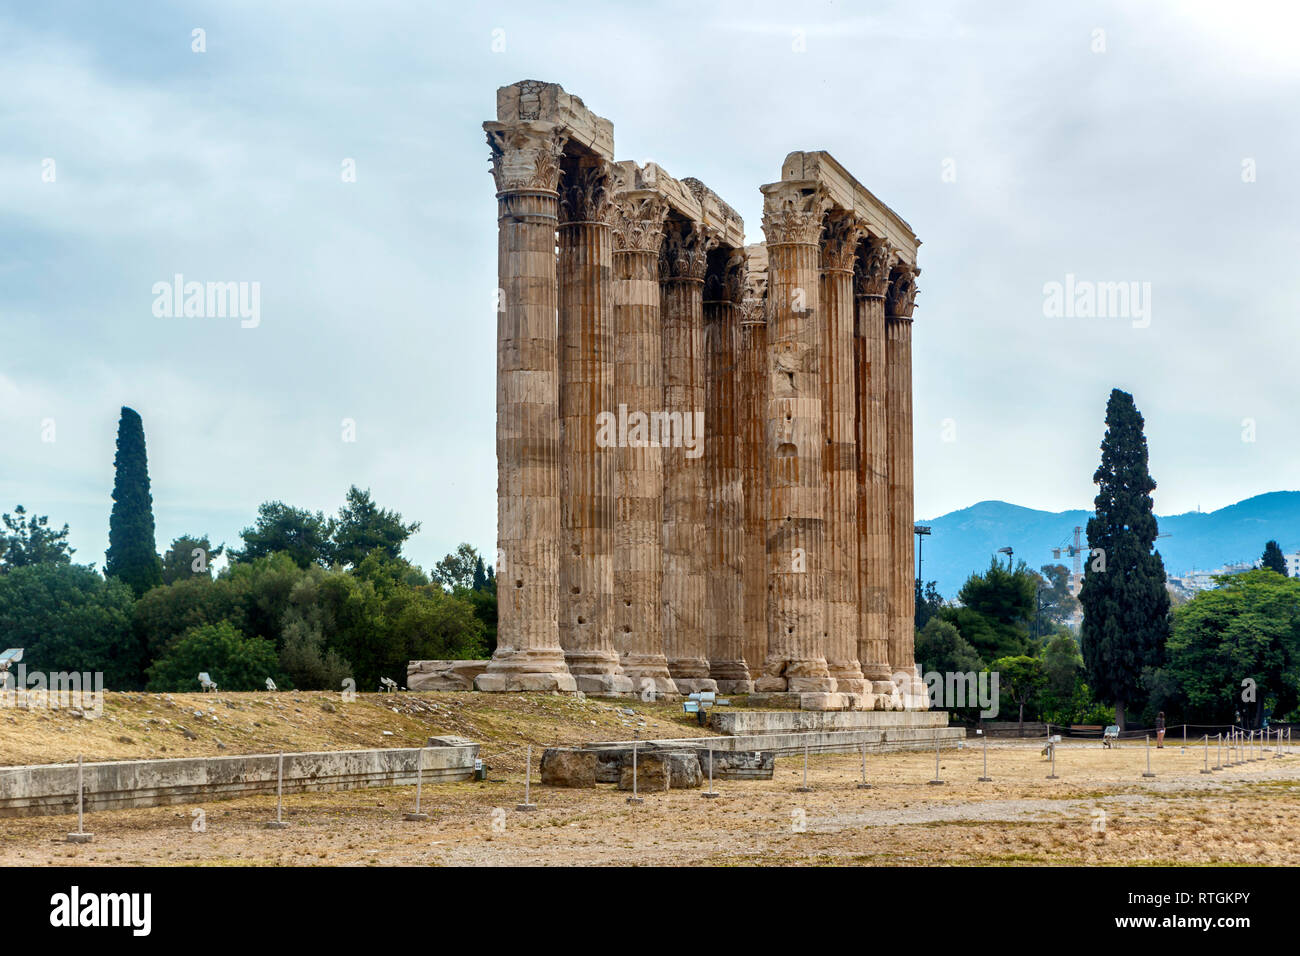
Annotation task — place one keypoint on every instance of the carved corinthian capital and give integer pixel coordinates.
(638, 221)
(586, 194)
(901, 297)
(685, 250)
(753, 306)
(793, 213)
(840, 241)
(525, 156)
(727, 284)
(871, 268)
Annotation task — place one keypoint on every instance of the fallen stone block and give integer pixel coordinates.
(568, 767)
(443, 675)
(662, 770)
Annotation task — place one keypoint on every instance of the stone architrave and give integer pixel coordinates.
(526, 166)
(839, 452)
(900, 299)
(724, 289)
(587, 438)
(875, 565)
(796, 660)
(682, 265)
(638, 224)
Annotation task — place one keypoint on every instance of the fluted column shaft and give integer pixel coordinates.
(875, 565)
(638, 391)
(796, 658)
(528, 656)
(685, 560)
(898, 358)
(753, 364)
(725, 516)
(839, 461)
(586, 363)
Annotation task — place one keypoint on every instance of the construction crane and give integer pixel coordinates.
(1074, 550)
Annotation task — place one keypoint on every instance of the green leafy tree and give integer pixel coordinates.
(132, 550)
(480, 575)
(26, 541)
(363, 527)
(940, 648)
(995, 610)
(1022, 679)
(188, 557)
(927, 602)
(233, 661)
(456, 571)
(164, 613)
(1064, 696)
(67, 617)
(1125, 603)
(1273, 559)
(1245, 630)
(1056, 605)
(302, 535)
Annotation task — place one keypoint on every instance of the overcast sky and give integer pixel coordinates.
(1021, 144)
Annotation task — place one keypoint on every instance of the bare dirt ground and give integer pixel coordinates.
(1101, 811)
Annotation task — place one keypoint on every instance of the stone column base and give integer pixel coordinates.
(513, 683)
(601, 665)
(735, 687)
(732, 677)
(691, 675)
(606, 685)
(695, 685)
(526, 670)
(641, 668)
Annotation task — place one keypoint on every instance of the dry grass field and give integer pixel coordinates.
(1100, 811)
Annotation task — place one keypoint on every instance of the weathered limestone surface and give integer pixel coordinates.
(840, 452)
(753, 364)
(638, 220)
(899, 301)
(871, 278)
(768, 546)
(568, 767)
(796, 661)
(586, 389)
(725, 517)
(662, 770)
(682, 265)
(443, 675)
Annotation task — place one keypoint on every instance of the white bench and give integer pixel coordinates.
(207, 683)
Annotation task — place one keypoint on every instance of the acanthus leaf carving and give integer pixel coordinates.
(871, 268)
(901, 297)
(526, 157)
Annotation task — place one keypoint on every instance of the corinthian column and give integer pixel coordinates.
(586, 346)
(839, 461)
(899, 300)
(753, 399)
(526, 166)
(796, 660)
(681, 275)
(724, 288)
(638, 222)
(875, 567)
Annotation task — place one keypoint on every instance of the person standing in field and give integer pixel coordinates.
(1160, 730)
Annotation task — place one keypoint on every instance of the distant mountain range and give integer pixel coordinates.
(963, 541)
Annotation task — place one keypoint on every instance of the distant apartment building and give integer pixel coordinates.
(1191, 582)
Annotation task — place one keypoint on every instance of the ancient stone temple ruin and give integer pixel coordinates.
(704, 448)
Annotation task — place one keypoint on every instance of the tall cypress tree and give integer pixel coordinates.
(132, 552)
(1273, 559)
(1125, 604)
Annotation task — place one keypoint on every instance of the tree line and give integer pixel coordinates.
(1230, 654)
(308, 600)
